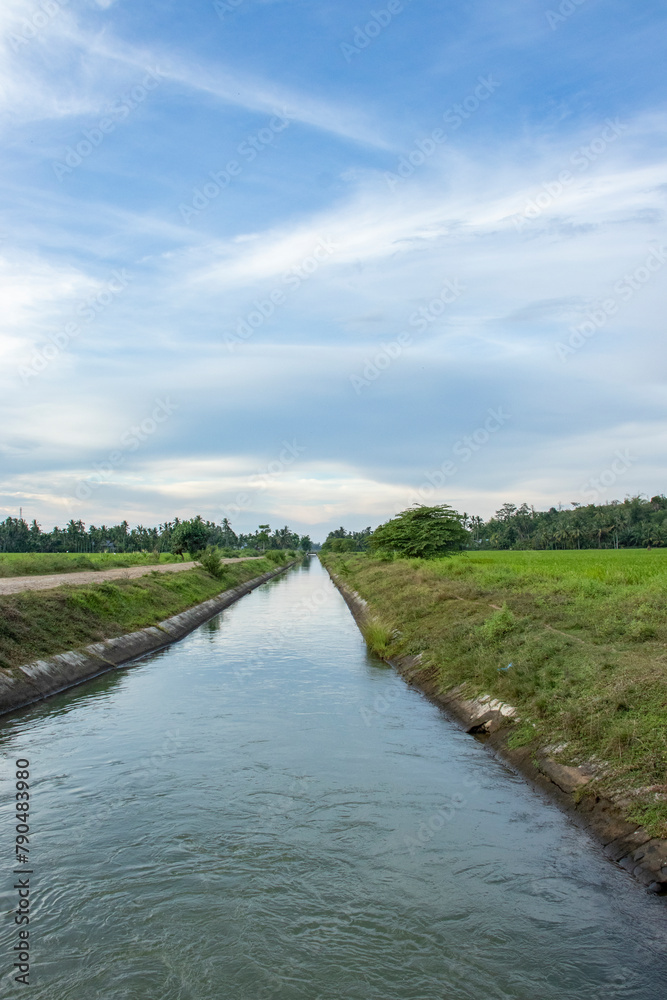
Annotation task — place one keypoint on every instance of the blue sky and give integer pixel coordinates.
(306, 262)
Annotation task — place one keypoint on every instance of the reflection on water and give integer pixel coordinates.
(264, 811)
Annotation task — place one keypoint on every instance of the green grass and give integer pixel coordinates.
(377, 635)
(585, 631)
(38, 563)
(35, 624)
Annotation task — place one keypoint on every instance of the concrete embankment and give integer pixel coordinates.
(624, 842)
(24, 685)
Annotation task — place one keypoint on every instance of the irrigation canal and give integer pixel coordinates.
(264, 810)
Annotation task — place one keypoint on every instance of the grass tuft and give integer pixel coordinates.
(378, 636)
(499, 625)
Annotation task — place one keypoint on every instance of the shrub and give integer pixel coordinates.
(500, 624)
(211, 561)
(276, 556)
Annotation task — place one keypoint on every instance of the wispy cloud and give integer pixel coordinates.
(101, 61)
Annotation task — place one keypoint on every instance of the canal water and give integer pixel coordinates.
(263, 810)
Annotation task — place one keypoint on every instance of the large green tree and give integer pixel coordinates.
(421, 532)
(190, 536)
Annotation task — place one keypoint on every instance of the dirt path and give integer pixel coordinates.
(13, 584)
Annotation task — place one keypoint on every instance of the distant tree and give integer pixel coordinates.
(421, 532)
(262, 537)
(15, 535)
(341, 545)
(305, 544)
(189, 536)
(507, 511)
(341, 540)
(284, 538)
(228, 538)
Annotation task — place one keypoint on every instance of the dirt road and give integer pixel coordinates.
(13, 584)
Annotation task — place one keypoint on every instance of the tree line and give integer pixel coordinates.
(635, 522)
(632, 523)
(176, 536)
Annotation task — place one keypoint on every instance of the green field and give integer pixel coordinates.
(585, 632)
(35, 624)
(39, 563)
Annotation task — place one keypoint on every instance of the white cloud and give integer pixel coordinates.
(473, 211)
(392, 250)
(36, 293)
(62, 70)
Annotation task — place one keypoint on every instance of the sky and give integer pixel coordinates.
(306, 262)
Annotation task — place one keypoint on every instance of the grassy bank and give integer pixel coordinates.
(42, 563)
(585, 632)
(35, 624)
